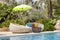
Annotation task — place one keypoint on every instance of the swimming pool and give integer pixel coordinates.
(32, 36)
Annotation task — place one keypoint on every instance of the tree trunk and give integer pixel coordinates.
(49, 9)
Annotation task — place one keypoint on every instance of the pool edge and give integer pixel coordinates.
(30, 33)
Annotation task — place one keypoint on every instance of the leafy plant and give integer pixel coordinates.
(49, 24)
(6, 15)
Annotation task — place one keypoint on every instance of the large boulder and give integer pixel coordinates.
(15, 28)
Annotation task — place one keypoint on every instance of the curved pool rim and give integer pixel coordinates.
(9, 35)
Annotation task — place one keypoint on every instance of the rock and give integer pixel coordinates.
(15, 28)
(57, 26)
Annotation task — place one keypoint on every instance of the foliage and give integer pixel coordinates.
(4, 11)
(57, 13)
(49, 24)
(7, 22)
(37, 15)
(7, 16)
(56, 9)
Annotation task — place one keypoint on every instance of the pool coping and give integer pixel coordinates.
(29, 33)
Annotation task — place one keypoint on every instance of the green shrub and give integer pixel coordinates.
(6, 15)
(49, 24)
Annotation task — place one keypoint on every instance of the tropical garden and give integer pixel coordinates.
(46, 12)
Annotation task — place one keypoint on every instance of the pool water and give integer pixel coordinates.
(42, 36)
